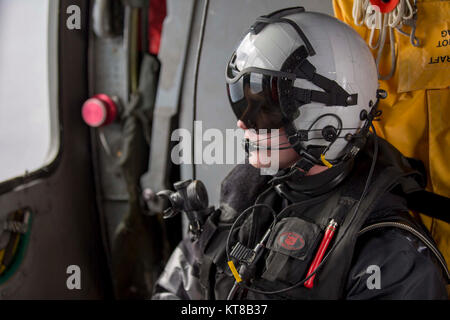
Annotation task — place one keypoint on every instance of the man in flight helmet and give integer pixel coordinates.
(333, 222)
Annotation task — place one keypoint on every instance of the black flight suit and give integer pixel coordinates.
(406, 267)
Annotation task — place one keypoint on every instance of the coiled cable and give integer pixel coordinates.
(403, 14)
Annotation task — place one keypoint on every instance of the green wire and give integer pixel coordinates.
(20, 254)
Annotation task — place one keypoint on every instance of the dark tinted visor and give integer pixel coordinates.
(253, 96)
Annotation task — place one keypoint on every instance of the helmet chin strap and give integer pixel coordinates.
(297, 170)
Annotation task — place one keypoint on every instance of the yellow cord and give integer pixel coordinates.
(234, 271)
(325, 162)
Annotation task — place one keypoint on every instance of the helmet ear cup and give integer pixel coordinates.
(329, 133)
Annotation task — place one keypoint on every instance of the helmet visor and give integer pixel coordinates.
(253, 96)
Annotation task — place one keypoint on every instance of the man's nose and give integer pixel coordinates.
(241, 125)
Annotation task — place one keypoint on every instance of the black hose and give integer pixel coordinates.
(197, 63)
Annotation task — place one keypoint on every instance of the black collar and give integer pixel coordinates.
(297, 188)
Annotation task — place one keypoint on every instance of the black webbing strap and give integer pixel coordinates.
(430, 204)
(293, 172)
(334, 94)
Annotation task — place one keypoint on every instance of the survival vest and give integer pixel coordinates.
(282, 267)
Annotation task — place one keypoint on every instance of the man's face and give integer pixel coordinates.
(262, 158)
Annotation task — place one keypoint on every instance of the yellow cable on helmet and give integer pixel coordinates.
(325, 162)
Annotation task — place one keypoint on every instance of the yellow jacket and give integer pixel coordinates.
(416, 114)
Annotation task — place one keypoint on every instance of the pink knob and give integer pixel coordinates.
(99, 110)
(384, 6)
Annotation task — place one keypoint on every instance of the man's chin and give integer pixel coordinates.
(256, 162)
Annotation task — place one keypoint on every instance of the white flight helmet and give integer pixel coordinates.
(309, 73)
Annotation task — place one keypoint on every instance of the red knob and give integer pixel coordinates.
(384, 6)
(99, 110)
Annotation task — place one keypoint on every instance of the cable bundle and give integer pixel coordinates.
(404, 13)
